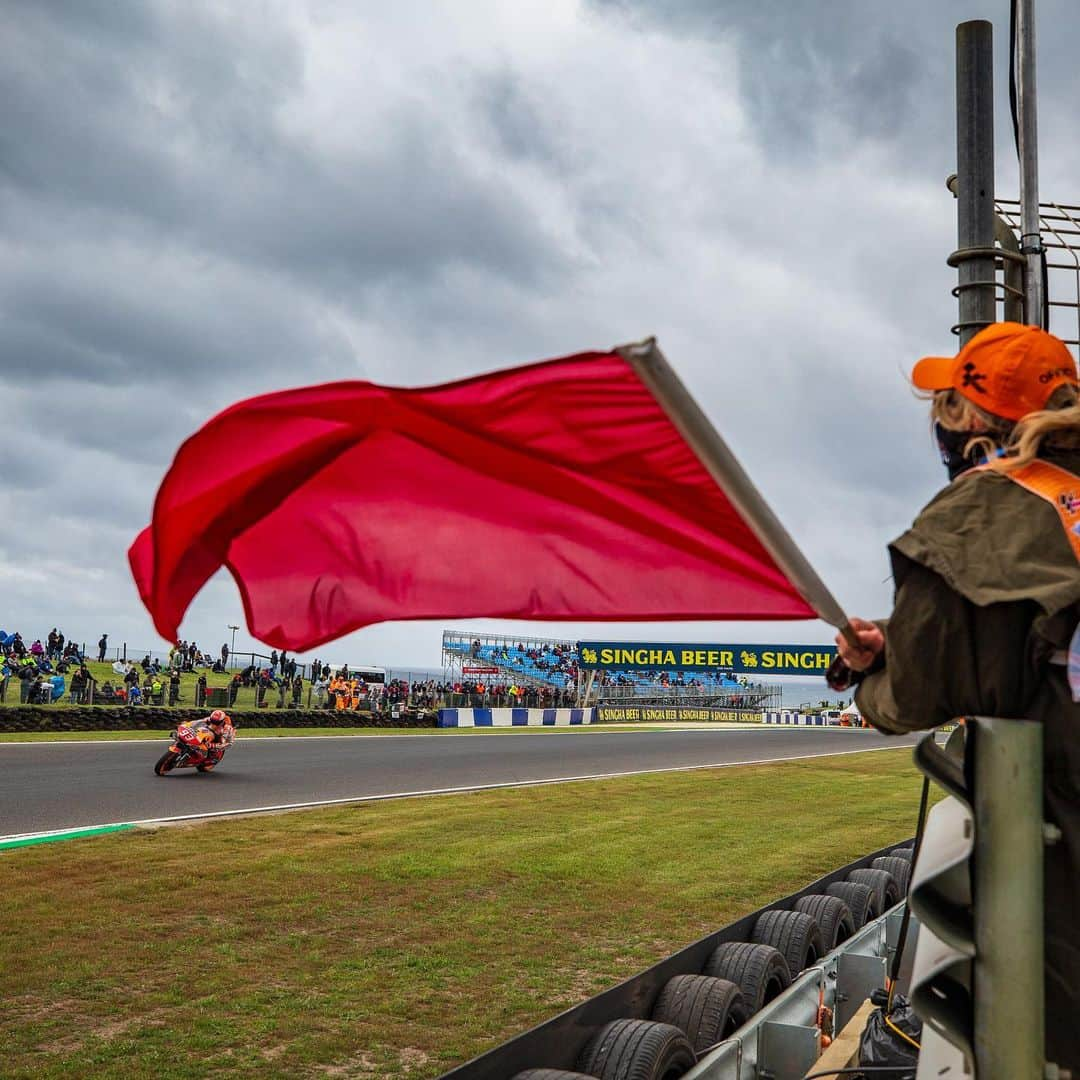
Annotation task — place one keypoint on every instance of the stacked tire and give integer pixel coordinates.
(833, 916)
(860, 900)
(899, 867)
(760, 971)
(884, 886)
(705, 1008)
(628, 1050)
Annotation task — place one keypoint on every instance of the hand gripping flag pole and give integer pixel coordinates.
(657, 374)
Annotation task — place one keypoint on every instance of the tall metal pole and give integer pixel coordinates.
(1028, 125)
(1008, 894)
(974, 256)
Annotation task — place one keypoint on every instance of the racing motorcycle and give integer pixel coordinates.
(188, 749)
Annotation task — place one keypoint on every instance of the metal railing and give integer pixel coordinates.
(240, 697)
(236, 661)
(453, 638)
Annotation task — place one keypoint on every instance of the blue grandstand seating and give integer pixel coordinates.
(514, 661)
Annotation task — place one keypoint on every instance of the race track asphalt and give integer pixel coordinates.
(50, 786)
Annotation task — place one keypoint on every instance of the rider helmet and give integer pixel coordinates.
(218, 718)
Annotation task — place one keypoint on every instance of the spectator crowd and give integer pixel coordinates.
(40, 667)
(45, 670)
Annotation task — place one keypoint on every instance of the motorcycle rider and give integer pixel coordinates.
(220, 728)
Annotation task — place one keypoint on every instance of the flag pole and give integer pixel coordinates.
(656, 373)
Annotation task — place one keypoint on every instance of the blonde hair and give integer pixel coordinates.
(1057, 426)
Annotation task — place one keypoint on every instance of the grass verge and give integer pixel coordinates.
(396, 939)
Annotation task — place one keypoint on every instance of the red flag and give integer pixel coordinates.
(560, 490)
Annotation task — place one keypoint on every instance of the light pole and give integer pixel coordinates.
(1027, 132)
(232, 647)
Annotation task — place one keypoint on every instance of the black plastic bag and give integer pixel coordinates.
(881, 1045)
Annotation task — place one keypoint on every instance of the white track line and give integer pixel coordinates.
(439, 791)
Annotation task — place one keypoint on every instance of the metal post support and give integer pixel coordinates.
(1028, 131)
(975, 176)
(584, 699)
(1014, 267)
(1008, 893)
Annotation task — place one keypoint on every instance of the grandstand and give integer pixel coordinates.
(532, 661)
(553, 662)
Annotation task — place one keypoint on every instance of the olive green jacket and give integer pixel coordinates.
(987, 588)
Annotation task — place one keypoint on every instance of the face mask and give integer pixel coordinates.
(951, 444)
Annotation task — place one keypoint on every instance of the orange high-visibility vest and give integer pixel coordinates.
(1061, 489)
(1057, 486)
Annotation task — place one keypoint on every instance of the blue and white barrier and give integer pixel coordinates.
(515, 717)
(786, 717)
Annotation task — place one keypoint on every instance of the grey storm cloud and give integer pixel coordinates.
(194, 319)
(815, 74)
(202, 201)
(162, 121)
(804, 68)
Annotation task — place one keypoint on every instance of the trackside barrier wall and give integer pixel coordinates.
(977, 888)
(784, 717)
(515, 717)
(556, 1043)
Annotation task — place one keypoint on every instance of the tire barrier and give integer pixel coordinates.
(515, 717)
(706, 1009)
(833, 916)
(860, 899)
(760, 971)
(884, 885)
(637, 1050)
(793, 934)
(899, 868)
(777, 961)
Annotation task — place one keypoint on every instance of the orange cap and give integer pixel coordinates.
(1007, 369)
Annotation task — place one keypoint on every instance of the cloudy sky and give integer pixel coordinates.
(201, 201)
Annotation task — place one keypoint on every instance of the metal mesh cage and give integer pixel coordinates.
(1059, 224)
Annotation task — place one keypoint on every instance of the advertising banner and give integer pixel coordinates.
(615, 713)
(761, 660)
(478, 669)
